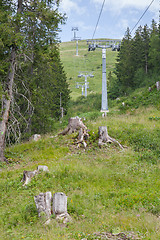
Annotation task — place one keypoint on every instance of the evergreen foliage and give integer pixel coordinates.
(138, 60)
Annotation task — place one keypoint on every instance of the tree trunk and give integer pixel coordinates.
(6, 104)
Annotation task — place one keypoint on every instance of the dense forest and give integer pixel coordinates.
(33, 84)
(138, 61)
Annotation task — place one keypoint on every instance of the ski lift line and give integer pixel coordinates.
(98, 19)
(142, 15)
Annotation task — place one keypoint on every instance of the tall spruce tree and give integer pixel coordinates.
(138, 58)
(145, 47)
(124, 65)
(137, 48)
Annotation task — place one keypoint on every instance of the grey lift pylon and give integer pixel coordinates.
(115, 45)
(85, 84)
(75, 38)
(78, 85)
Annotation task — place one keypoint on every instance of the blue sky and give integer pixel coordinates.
(117, 15)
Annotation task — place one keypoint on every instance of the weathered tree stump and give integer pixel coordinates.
(43, 204)
(27, 175)
(59, 203)
(74, 124)
(104, 138)
(60, 207)
(42, 168)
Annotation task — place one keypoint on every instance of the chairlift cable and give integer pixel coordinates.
(98, 19)
(142, 16)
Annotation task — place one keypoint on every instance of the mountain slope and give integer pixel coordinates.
(110, 192)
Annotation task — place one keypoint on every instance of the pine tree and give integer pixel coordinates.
(124, 66)
(137, 48)
(145, 47)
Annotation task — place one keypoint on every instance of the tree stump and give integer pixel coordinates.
(43, 204)
(74, 124)
(42, 168)
(104, 138)
(59, 203)
(60, 207)
(27, 175)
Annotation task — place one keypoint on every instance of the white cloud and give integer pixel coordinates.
(83, 26)
(118, 5)
(69, 6)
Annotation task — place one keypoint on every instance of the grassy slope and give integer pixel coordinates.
(108, 189)
(86, 61)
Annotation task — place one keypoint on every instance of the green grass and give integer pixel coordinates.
(109, 190)
(86, 61)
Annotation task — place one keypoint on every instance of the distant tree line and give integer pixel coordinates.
(138, 62)
(32, 78)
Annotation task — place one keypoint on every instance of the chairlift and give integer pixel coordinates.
(116, 47)
(91, 47)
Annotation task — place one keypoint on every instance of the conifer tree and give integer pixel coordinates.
(138, 59)
(124, 66)
(145, 46)
(137, 48)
